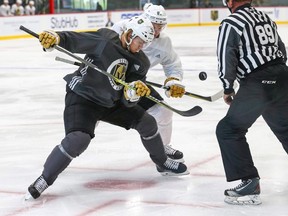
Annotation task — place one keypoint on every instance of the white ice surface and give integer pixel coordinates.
(115, 175)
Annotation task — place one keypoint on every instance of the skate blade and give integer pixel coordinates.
(169, 173)
(243, 200)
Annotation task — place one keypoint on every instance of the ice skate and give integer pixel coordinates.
(35, 189)
(173, 153)
(172, 168)
(246, 193)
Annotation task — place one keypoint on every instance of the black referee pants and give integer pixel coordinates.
(265, 93)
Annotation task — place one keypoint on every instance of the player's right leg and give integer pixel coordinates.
(80, 123)
(71, 146)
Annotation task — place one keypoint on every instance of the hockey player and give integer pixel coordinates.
(5, 9)
(17, 9)
(160, 51)
(249, 49)
(92, 96)
(30, 9)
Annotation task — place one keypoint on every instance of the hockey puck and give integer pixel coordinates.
(202, 75)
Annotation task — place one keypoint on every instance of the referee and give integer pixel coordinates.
(249, 50)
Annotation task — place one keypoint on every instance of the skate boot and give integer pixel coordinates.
(246, 193)
(172, 168)
(35, 189)
(173, 153)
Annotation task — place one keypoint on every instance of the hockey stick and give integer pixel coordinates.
(212, 98)
(67, 61)
(191, 112)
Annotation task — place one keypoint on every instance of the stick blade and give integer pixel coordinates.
(191, 112)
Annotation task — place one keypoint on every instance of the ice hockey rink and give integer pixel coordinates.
(115, 175)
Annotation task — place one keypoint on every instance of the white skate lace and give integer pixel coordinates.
(171, 164)
(40, 184)
(241, 185)
(169, 150)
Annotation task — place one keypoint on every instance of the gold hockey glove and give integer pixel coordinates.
(175, 87)
(136, 90)
(48, 39)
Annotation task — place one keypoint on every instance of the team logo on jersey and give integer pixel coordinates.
(118, 68)
(119, 71)
(214, 15)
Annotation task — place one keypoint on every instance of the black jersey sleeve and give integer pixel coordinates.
(85, 42)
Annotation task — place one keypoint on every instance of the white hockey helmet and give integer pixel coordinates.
(155, 13)
(141, 27)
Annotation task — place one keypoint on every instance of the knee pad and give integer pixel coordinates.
(147, 126)
(74, 144)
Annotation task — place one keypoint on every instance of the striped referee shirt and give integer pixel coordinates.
(247, 39)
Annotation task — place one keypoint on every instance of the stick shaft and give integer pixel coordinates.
(67, 61)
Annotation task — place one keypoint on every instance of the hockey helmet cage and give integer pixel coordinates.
(155, 13)
(141, 27)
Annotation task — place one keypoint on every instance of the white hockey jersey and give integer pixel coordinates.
(159, 51)
(5, 10)
(17, 10)
(30, 10)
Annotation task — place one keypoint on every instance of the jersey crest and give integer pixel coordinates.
(118, 68)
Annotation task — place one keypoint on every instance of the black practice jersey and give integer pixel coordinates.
(247, 39)
(103, 49)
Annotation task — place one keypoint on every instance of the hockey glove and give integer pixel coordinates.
(48, 39)
(136, 90)
(175, 87)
